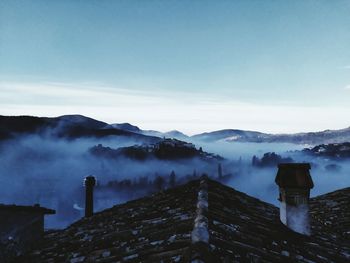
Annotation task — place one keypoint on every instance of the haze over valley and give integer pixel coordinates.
(44, 160)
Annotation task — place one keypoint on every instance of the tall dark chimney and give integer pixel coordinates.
(294, 181)
(89, 183)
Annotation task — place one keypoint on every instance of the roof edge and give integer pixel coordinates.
(21, 208)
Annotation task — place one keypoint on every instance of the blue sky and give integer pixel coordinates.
(274, 66)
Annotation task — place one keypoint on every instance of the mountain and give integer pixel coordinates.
(74, 126)
(125, 127)
(129, 127)
(175, 134)
(79, 120)
(170, 134)
(322, 137)
(313, 138)
(231, 135)
(30, 124)
(66, 126)
(77, 126)
(333, 150)
(11, 125)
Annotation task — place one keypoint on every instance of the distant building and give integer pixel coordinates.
(20, 227)
(174, 143)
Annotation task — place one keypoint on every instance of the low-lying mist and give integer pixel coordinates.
(328, 174)
(50, 171)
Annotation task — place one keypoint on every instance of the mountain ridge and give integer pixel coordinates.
(79, 125)
(65, 126)
(236, 135)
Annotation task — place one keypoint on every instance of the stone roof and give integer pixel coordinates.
(332, 211)
(201, 221)
(244, 229)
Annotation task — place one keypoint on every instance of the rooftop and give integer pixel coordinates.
(21, 208)
(240, 228)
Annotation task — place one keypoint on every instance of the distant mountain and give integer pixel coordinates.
(79, 120)
(125, 127)
(13, 125)
(74, 126)
(231, 135)
(67, 126)
(175, 134)
(129, 127)
(170, 134)
(312, 138)
(333, 150)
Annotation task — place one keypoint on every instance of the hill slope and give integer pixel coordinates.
(322, 137)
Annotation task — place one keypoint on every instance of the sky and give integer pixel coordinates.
(194, 66)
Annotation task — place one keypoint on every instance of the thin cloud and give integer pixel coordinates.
(165, 112)
(347, 87)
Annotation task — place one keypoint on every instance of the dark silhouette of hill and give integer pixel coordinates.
(314, 138)
(73, 126)
(67, 126)
(333, 150)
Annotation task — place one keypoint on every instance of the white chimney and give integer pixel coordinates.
(294, 181)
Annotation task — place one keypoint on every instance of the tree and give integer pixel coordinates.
(194, 175)
(219, 171)
(255, 161)
(159, 183)
(172, 179)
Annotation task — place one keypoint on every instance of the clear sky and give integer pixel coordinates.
(273, 66)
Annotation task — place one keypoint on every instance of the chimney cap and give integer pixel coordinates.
(90, 181)
(294, 175)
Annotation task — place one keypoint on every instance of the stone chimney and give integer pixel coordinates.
(89, 183)
(294, 181)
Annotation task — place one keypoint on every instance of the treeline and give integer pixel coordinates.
(270, 159)
(147, 184)
(156, 183)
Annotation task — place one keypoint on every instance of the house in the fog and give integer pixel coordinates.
(174, 143)
(201, 221)
(20, 228)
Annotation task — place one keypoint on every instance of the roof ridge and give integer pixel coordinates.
(200, 232)
(338, 191)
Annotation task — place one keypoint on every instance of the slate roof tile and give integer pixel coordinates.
(241, 229)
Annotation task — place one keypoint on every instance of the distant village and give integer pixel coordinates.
(166, 149)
